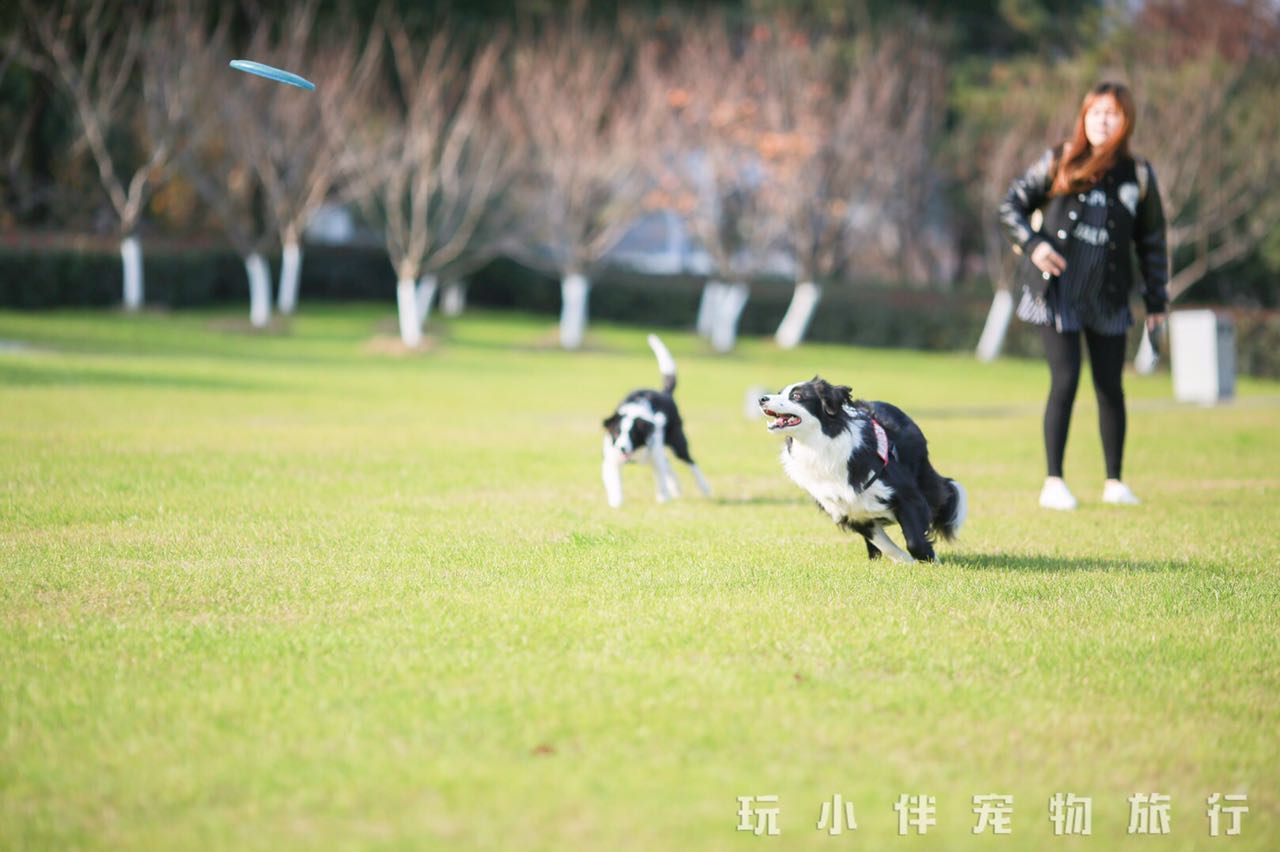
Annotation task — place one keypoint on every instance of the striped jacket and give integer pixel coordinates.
(1135, 222)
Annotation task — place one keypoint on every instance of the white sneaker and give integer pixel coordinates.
(1117, 492)
(1056, 495)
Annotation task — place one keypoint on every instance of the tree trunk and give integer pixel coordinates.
(131, 255)
(422, 298)
(709, 306)
(290, 272)
(453, 299)
(729, 311)
(259, 290)
(574, 289)
(997, 327)
(804, 301)
(410, 326)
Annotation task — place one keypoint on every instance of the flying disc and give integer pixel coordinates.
(280, 76)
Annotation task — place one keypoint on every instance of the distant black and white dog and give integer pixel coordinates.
(867, 465)
(646, 422)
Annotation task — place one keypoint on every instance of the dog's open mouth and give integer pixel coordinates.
(781, 421)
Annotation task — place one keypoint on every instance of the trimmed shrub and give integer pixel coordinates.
(48, 275)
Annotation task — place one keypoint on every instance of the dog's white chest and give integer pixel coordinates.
(824, 473)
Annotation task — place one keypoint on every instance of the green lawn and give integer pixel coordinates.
(301, 590)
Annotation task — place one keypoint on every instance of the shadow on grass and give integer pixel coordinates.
(978, 412)
(44, 375)
(762, 501)
(544, 343)
(1051, 564)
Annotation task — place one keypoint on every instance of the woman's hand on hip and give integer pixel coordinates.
(1048, 260)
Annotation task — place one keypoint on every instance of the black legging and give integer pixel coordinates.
(1106, 361)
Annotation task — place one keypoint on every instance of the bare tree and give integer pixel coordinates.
(1214, 128)
(441, 165)
(717, 164)
(844, 137)
(486, 244)
(813, 167)
(294, 145)
(1211, 129)
(588, 127)
(232, 190)
(903, 99)
(94, 54)
(217, 161)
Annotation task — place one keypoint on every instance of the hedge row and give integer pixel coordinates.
(865, 315)
(50, 277)
(46, 277)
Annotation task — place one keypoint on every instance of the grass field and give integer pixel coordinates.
(301, 590)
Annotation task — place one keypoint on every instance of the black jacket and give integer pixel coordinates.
(1141, 233)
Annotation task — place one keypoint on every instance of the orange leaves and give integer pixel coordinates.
(778, 147)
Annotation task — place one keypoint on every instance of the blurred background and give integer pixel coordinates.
(827, 169)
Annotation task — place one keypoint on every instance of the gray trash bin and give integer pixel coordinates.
(1202, 347)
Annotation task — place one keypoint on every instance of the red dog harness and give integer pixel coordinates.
(883, 450)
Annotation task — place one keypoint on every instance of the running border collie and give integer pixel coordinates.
(644, 424)
(867, 466)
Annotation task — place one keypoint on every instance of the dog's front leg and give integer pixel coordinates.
(881, 540)
(611, 473)
(659, 481)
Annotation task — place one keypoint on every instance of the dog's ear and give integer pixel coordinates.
(611, 422)
(834, 397)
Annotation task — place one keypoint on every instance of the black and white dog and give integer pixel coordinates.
(867, 465)
(646, 422)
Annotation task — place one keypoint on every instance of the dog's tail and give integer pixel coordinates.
(949, 515)
(666, 364)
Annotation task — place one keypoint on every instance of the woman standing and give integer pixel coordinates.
(1101, 210)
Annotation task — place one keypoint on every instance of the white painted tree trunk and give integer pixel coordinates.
(804, 301)
(574, 289)
(410, 327)
(709, 306)
(729, 311)
(259, 290)
(422, 298)
(453, 299)
(997, 326)
(131, 255)
(290, 273)
(1147, 358)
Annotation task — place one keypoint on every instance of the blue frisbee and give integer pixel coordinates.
(270, 73)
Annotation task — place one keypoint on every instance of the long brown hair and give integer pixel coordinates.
(1081, 165)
